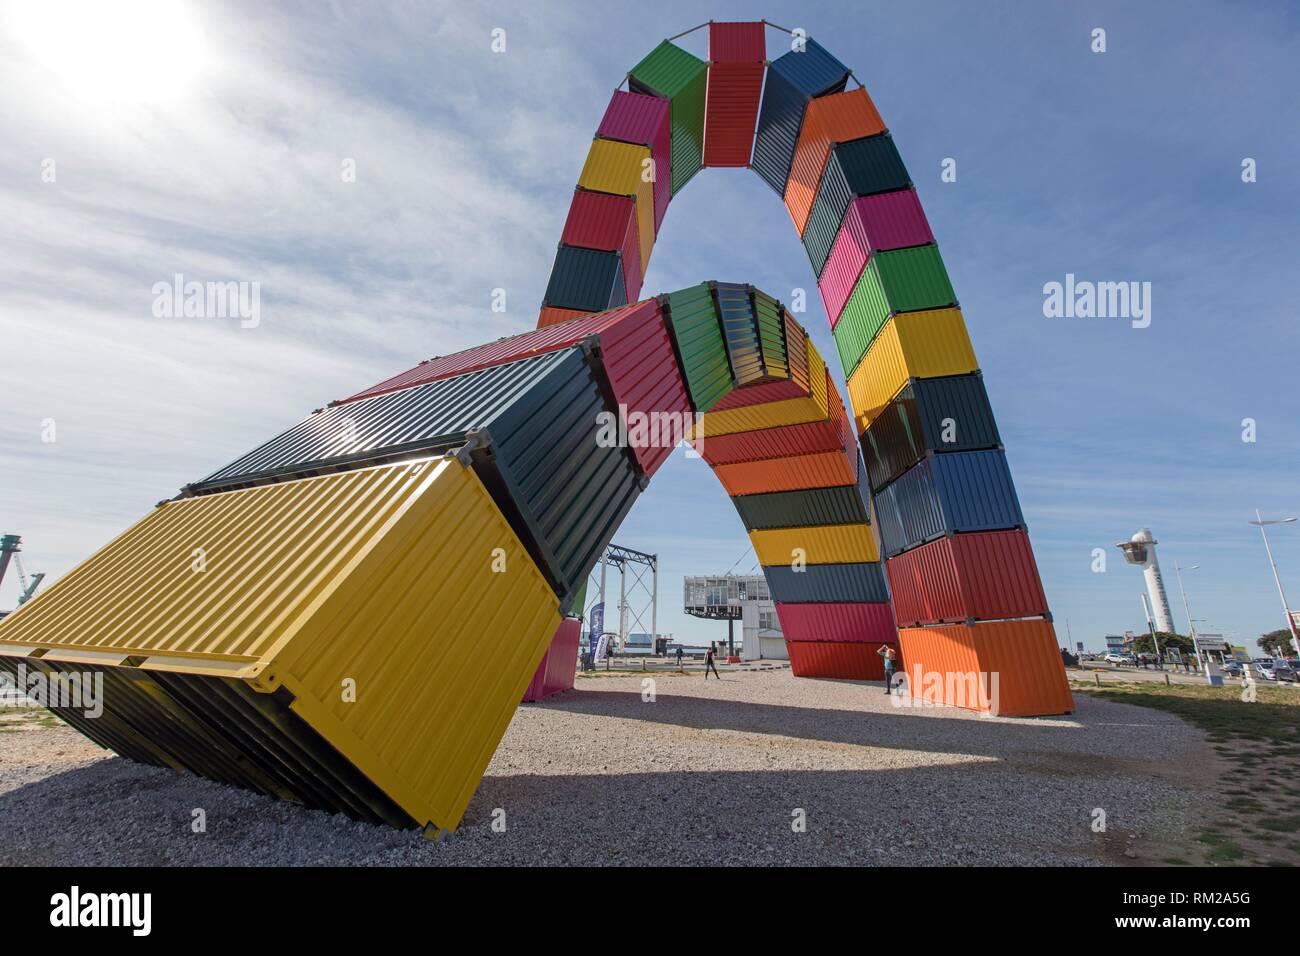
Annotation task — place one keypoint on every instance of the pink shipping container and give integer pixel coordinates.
(644, 120)
(845, 623)
(871, 224)
(606, 222)
(982, 576)
(556, 671)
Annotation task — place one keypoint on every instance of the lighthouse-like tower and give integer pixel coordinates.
(1141, 551)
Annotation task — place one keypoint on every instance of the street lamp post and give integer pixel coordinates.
(1286, 609)
(1191, 625)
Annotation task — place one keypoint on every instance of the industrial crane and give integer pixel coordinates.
(9, 549)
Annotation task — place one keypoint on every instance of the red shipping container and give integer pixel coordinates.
(559, 664)
(606, 222)
(737, 55)
(871, 224)
(780, 442)
(760, 393)
(845, 661)
(559, 335)
(1012, 668)
(838, 623)
(645, 121)
(985, 575)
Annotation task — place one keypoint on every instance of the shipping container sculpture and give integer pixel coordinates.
(348, 614)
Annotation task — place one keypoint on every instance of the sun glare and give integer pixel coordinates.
(127, 52)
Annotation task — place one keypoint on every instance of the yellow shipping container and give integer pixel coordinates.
(791, 411)
(356, 641)
(619, 168)
(911, 345)
(820, 544)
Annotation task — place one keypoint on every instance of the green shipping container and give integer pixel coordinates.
(902, 280)
(671, 72)
(697, 336)
(771, 335)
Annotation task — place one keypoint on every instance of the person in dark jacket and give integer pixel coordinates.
(679, 657)
(709, 665)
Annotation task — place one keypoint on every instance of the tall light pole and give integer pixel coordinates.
(1290, 622)
(1191, 625)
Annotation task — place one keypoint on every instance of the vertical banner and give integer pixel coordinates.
(597, 619)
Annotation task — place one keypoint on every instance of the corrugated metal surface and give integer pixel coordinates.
(961, 491)
(549, 315)
(586, 279)
(837, 118)
(671, 72)
(697, 332)
(559, 665)
(911, 345)
(827, 584)
(900, 280)
(807, 439)
(563, 492)
(786, 474)
(838, 623)
(816, 544)
(793, 411)
(796, 351)
(841, 504)
(792, 79)
(639, 361)
(608, 223)
(984, 576)
(644, 120)
(861, 168)
(872, 223)
(241, 673)
(1024, 655)
(839, 661)
(771, 334)
(549, 338)
(736, 64)
(929, 414)
(759, 393)
(740, 329)
(620, 169)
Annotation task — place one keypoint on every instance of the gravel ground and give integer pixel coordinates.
(708, 773)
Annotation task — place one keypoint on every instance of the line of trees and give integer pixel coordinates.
(1276, 643)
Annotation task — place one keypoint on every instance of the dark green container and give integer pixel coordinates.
(902, 280)
(671, 72)
(843, 504)
(697, 337)
(586, 279)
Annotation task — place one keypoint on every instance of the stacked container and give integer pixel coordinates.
(671, 73)
(737, 59)
(793, 79)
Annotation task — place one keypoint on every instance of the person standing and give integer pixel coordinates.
(679, 657)
(887, 654)
(709, 665)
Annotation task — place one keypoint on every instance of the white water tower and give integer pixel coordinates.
(1140, 550)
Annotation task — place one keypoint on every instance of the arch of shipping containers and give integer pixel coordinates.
(348, 614)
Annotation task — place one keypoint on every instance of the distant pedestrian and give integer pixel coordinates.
(887, 654)
(710, 666)
(679, 657)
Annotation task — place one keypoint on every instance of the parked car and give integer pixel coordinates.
(1284, 672)
(1264, 670)
(1116, 659)
(1233, 669)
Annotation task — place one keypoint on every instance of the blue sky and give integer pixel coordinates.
(209, 142)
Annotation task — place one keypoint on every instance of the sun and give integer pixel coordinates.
(129, 52)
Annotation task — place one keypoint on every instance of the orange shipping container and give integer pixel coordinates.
(1008, 668)
(837, 118)
(787, 474)
(554, 316)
